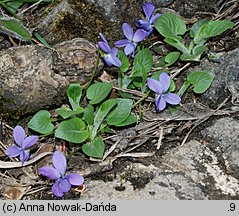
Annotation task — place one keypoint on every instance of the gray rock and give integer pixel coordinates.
(34, 77)
(87, 18)
(191, 171)
(224, 133)
(226, 77)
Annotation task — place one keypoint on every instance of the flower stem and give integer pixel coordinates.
(92, 76)
(141, 99)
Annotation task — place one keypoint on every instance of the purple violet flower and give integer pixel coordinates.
(161, 88)
(63, 182)
(110, 54)
(147, 25)
(131, 40)
(23, 143)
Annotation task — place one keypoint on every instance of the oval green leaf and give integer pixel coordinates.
(130, 120)
(89, 114)
(170, 25)
(41, 122)
(74, 93)
(94, 149)
(125, 61)
(98, 92)
(14, 28)
(72, 131)
(102, 112)
(121, 112)
(65, 112)
(143, 63)
(201, 80)
(171, 58)
(212, 28)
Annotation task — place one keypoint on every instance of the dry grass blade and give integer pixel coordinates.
(160, 138)
(136, 154)
(10, 165)
(112, 148)
(200, 121)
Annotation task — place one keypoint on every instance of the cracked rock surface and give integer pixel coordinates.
(192, 171)
(34, 77)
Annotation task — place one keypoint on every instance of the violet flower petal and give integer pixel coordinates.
(75, 179)
(139, 36)
(29, 141)
(107, 60)
(56, 190)
(24, 155)
(19, 135)
(148, 9)
(114, 51)
(160, 103)
(143, 24)
(164, 79)
(114, 60)
(103, 38)
(129, 49)
(104, 46)
(128, 31)
(147, 33)
(49, 172)
(59, 162)
(154, 18)
(13, 151)
(121, 43)
(172, 98)
(155, 86)
(64, 185)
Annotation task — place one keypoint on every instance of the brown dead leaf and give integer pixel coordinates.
(16, 192)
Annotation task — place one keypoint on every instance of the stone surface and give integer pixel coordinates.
(86, 18)
(34, 77)
(192, 171)
(226, 77)
(224, 132)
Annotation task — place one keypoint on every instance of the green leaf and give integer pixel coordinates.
(89, 114)
(94, 149)
(197, 51)
(144, 58)
(121, 112)
(161, 62)
(143, 63)
(14, 28)
(172, 109)
(42, 40)
(170, 25)
(74, 93)
(172, 87)
(177, 44)
(98, 92)
(201, 80)
(31, 1)
(186, 57)
(211, 29)
(196, 27)
(184, 88)
(125, 94)
(171, 58)
(72, 130)
(41, 122)
(130, 120)
(65, 112)
(13, 6)
(125, 61)
(103, 111)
